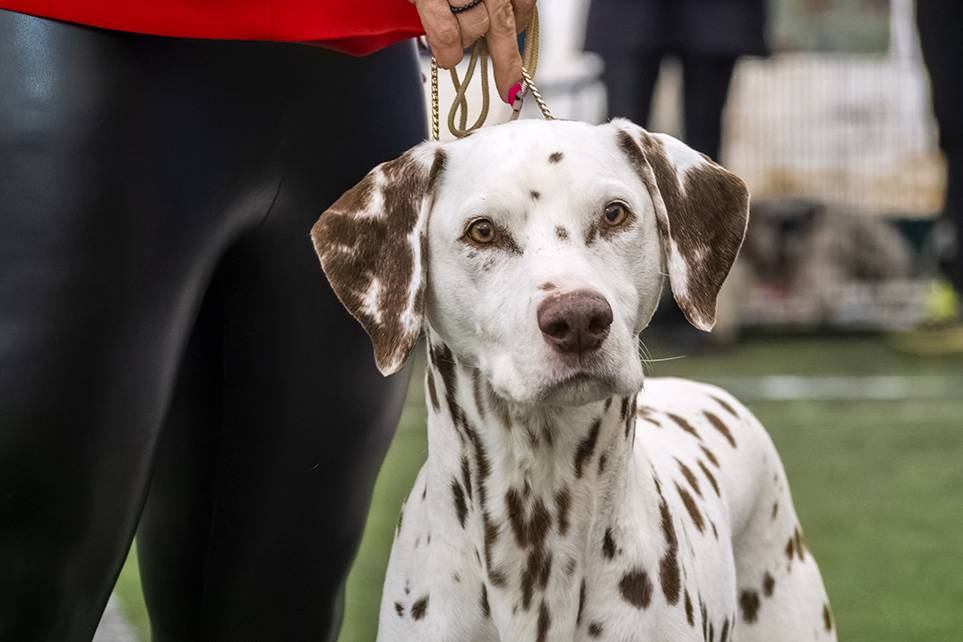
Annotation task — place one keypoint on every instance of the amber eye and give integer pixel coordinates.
(615, 213)
(481, 231)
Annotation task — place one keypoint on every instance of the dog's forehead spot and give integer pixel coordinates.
(534, 194)
(561, 233)
(555, 157)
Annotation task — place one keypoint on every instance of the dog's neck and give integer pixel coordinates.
(527, 496)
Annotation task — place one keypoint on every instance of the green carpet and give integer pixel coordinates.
(878, 484)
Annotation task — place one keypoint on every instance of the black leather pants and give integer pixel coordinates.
(170, 352)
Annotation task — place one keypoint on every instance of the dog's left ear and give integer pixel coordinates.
(702, 211)
(373, 248)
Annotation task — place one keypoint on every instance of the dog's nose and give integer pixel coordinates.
(575, 322)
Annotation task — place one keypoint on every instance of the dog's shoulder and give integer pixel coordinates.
(702, 432)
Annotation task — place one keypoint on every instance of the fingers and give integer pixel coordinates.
(523, 13)
(503, 46)
(474, 22)
(443, 31)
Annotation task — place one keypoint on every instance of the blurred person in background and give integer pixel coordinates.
(164, 323)
(707, 36)
(940, 26)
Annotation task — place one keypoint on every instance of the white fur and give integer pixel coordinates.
(503, 414)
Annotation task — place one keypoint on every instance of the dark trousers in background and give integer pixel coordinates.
(940, 25)
(630, 79)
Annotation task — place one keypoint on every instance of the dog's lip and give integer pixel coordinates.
(577, 377)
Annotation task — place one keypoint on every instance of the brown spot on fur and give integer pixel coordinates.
(563, 501)
(711, 457)
(466, 476)
(669, 564)
(555, 157)
(691, 508)
(536, 573)
(476, 385)
(419, 608)
(548, 285)
(432, 393)
(721, 427)
(768, 584)
(603, 458)
(710, 477)
(399, 609)
(586, 447)
(688, 610)
(790, 548)
(827, 617)
(581, 603)
(749, 603)
(608, 544)
(725, 406)
(629, 417)
(529, 530)
(486, 609)
(544, 622)
(800, 545)
(684, 425)
(595, 629)
(591, 232)
(444, 361)
(724, 634)
(690, 478)
(535, 195)
(461, 509)
(496, 577)
(775, 509)
(570, 566)
(705, 619)
(636, 588)
(561, 233)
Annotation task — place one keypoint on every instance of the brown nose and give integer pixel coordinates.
(576, 322)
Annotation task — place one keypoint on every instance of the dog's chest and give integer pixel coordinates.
(648, 573)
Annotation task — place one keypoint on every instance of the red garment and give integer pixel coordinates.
(353, 26)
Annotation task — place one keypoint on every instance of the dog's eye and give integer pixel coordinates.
(615, 213)
(481, 231)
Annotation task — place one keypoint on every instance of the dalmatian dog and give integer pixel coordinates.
(566, 497)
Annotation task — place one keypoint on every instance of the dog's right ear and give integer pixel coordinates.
(373, 248)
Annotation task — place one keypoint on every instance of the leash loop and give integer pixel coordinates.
(479, 59)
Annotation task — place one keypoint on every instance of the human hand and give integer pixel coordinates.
(501, 21)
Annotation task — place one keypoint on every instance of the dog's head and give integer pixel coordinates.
(535, 250)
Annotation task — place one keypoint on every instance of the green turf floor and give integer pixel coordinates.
(878, 485)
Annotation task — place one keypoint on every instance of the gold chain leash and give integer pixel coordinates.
(479, 58)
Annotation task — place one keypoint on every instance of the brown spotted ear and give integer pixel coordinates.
(702, 212)
(373, 248)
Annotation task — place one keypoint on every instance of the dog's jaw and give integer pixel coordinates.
(534, 482)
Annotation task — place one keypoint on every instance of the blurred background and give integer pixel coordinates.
(839, 326)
